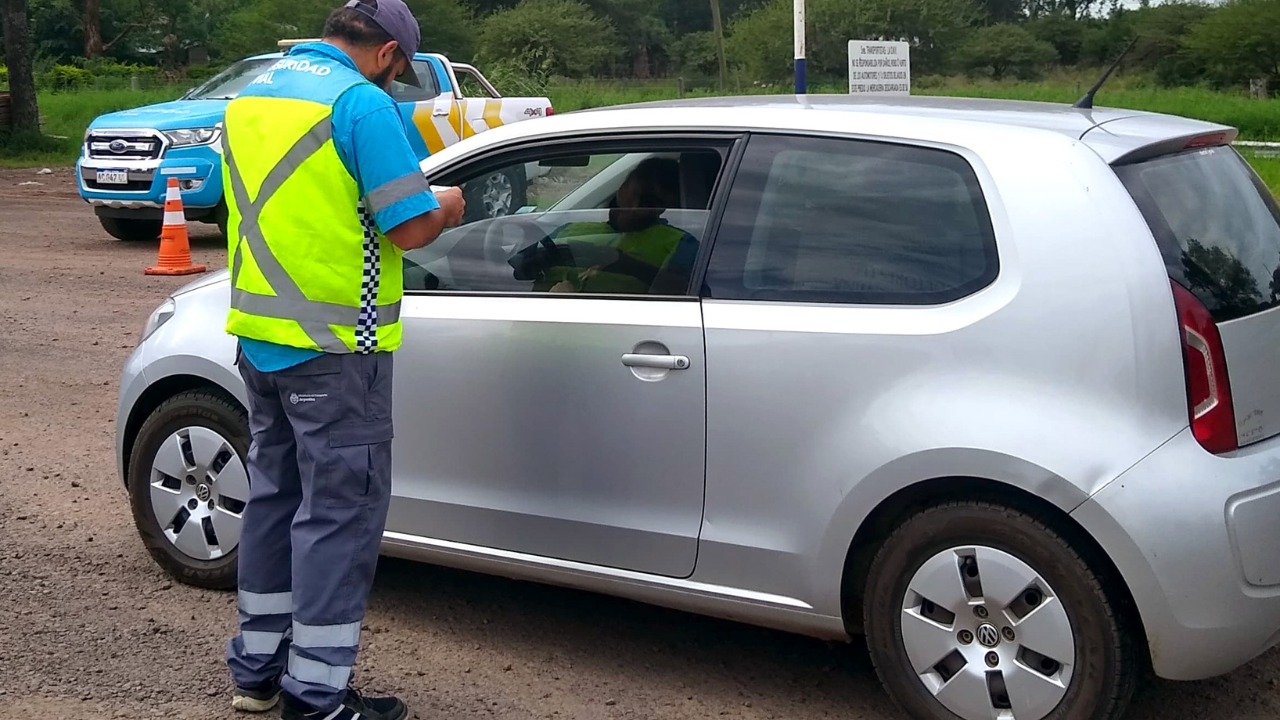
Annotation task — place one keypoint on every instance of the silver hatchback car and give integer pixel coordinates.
(992, 384)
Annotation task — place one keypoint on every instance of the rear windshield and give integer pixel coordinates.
(1217, 225)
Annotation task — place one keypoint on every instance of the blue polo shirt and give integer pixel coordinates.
(373, 143)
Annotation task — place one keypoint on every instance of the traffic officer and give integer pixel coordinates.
(324, 194)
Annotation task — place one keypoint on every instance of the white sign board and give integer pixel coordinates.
(879, 68)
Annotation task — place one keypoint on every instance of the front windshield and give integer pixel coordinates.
(228, 83)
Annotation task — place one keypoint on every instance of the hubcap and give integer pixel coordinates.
(497, 195)
(199, 489)
(1020, 666)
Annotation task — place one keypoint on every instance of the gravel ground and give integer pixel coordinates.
(90, 628)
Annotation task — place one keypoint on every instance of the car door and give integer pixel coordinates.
(550, 394)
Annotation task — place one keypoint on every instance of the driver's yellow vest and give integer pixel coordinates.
(309, 268)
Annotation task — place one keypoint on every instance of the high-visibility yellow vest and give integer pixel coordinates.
(652, 246)
(309, 268)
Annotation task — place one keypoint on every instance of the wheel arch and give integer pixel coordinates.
(893, 510)
(153, 397)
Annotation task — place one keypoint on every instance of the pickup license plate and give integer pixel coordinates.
(113, 177)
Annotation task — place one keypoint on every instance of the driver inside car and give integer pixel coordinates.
(635, 252)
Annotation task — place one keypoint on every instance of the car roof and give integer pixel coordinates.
(1115, 134)
(275, 55)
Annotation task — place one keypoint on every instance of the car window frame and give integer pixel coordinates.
(731, 142)
(996, 264)
(430, 73)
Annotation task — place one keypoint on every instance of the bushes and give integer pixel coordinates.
(95, 73)
(1001, 50)
(22, 144)
(543, 38)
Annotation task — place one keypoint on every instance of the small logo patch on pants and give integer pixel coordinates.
(295, 398)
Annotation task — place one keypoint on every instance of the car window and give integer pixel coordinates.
(599, 222)
(1217, 226)
(430, 87)
(849, 221)
(470, 86)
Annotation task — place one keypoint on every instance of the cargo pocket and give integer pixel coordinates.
(360, 470)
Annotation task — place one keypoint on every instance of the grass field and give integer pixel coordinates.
(68, 114)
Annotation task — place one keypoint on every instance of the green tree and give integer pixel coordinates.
(640, 26)
(1161, 30)
(1239, 41)
(1003, 50)
(761, 42)
(1065, 34)
(25, 112)
(448, 27)
(257, 26)
(543, 38)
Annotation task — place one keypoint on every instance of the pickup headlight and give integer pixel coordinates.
(159, 317)
(194, 136)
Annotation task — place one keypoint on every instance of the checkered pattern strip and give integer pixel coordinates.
(367, 325)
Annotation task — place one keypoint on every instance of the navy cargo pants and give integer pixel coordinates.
(320, 484)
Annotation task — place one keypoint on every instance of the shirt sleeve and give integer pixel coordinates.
(375, 148)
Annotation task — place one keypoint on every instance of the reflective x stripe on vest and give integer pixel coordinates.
(289, 302)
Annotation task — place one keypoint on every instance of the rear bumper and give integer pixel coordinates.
(1197, 539)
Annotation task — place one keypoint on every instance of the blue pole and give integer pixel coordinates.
(801, 86)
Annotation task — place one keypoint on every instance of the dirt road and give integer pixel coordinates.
(90, 628)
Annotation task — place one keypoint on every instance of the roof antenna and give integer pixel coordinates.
(1086, 102)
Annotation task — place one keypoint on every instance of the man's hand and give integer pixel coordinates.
(424, 229)
(453, 205)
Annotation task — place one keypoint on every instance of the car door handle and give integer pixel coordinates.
(440, 112)
(663, 362)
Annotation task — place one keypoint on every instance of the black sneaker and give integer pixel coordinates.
(256, 700)
(353, 706)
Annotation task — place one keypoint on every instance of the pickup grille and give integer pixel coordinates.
(109, 145)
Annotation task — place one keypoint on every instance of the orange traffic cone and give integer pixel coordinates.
(175, 248)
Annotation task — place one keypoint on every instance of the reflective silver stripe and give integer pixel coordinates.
(317, 673)
(390, 193)
(309, 310)
(326, 636)
(250, 231)
(266, 603)
(257, 642)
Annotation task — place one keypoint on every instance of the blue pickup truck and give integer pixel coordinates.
(129, 156)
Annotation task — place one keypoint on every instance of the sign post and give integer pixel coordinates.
(801, 85)
(879, 68)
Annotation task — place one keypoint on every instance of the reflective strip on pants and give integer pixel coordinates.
(346, 635)
(280, 603)
(317, 673)
(257, 642)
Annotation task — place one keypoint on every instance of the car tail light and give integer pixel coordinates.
(1206, 140)
(1213, 419)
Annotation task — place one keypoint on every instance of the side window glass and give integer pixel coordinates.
(849, 221)
(470, 86)
(430, 89)
(600, 222)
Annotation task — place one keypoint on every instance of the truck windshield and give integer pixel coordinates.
(228, 83)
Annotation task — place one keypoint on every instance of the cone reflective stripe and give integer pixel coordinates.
(175, 248)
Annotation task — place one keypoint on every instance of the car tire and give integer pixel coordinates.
(132, 229)
(499, 194)
(221, 215)
(1103, 663)
(206, 416)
